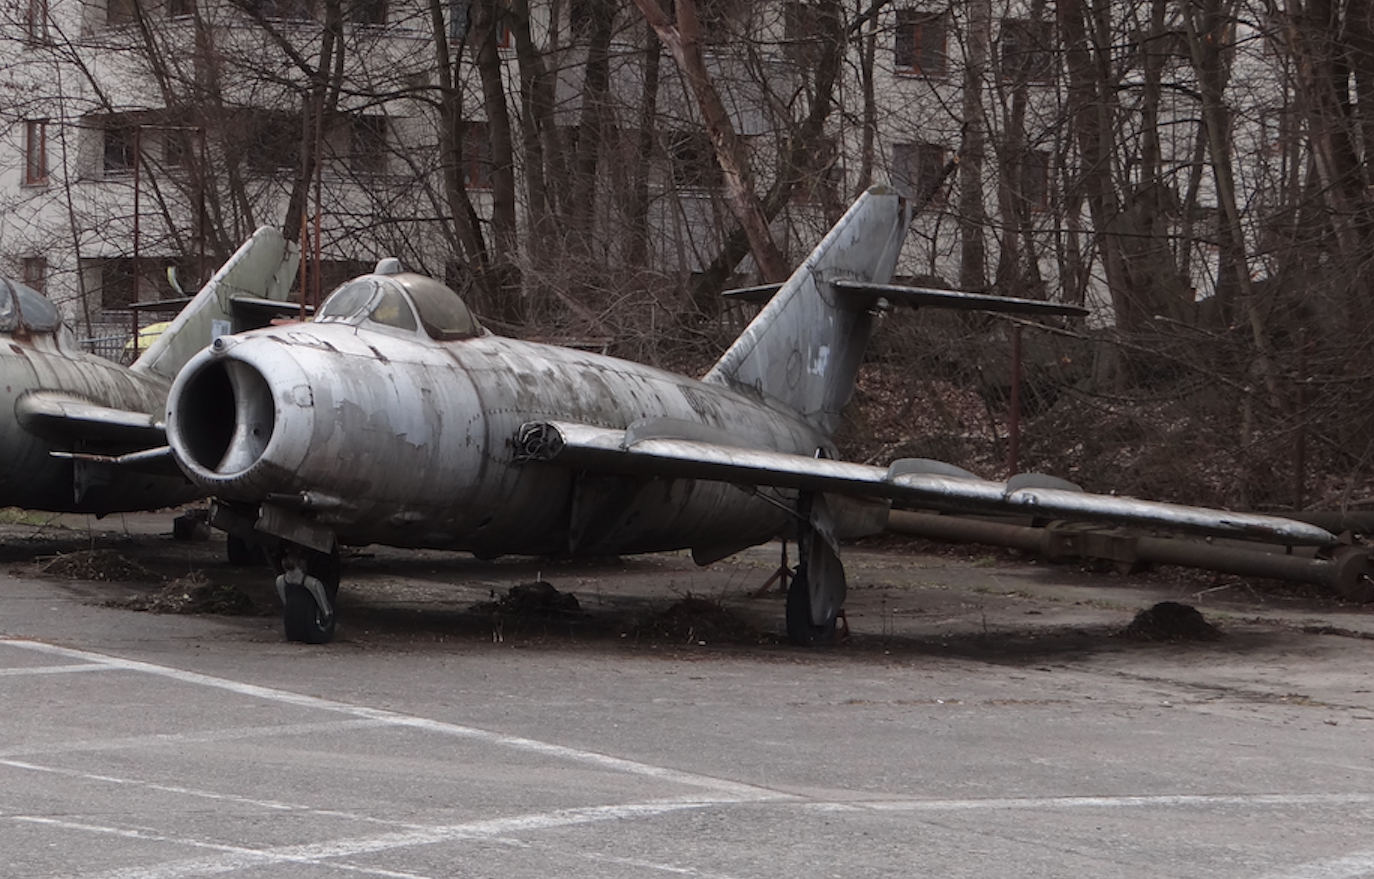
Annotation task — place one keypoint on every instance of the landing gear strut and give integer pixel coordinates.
(818, 588)
(308, 585)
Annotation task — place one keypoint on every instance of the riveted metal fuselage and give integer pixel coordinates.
(31, 477)
(394, 438)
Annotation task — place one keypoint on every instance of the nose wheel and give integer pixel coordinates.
(308, 586)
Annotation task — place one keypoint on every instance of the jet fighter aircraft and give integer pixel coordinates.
(396, 418)
(82, 434)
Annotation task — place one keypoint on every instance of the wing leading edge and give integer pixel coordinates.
(585, 447)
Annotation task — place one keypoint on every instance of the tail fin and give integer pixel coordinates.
(263, 268)
(804, 348)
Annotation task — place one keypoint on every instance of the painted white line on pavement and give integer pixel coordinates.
(51, 670)
(329, 853)
(1352, 866)
(274, 805)
(547, 749)
(1163, 800)
(238, 857)
(202, 737)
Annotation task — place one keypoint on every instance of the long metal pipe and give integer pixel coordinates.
(1348, 572)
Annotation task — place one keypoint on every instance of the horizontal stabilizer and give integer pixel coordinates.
(254, 312)
(606, 450)
(856, 294)
(862, 296)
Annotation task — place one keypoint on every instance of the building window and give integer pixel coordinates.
(120, 146)
(181, 8)
(477, 155)
(918, 170)
(35, 152)
(1035, 179)
(274, 140)
(285, 10)
(114, 276)
(35, 273)
(367, 144)
(367, 13)
(460, 23)
(118, 12)
(581, 17)
(802, 29)
(176, 147)
(1025, 50)
(823, 176)
(36, 20)
(116, 283)
(920, 46)
(692, 159)
(716, 19)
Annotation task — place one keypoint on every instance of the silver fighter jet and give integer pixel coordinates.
(82, 434)
(395, 418)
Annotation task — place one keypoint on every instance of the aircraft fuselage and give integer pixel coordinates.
(30, 477)
(391, 437)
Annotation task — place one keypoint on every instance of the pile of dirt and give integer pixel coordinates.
(694, 620)
(1170, 621)
(538, 600)
(103, 565)
(193, 596)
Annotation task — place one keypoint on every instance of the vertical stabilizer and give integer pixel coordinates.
(803, 350)
(263, 268)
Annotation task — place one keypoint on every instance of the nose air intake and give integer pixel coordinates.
(226, 417)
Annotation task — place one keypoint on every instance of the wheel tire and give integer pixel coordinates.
(800, 630)
(304, 620)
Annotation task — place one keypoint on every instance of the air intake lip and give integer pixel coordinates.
(225, 417)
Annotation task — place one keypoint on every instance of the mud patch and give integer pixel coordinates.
(538, 600)
(1170, 621)
(694, 620)
(102, 565)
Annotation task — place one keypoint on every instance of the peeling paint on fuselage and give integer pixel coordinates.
(416, 438)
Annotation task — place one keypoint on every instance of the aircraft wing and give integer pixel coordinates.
(73, 422)
(69, 419)
(905, 483)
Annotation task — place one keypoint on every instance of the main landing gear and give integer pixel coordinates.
(816, 595)
(308, 585)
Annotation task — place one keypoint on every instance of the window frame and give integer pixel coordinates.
(36, 171)
(918, 167)
(913, 53)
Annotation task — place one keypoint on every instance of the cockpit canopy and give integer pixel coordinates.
(26, 311)
(403, 300)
